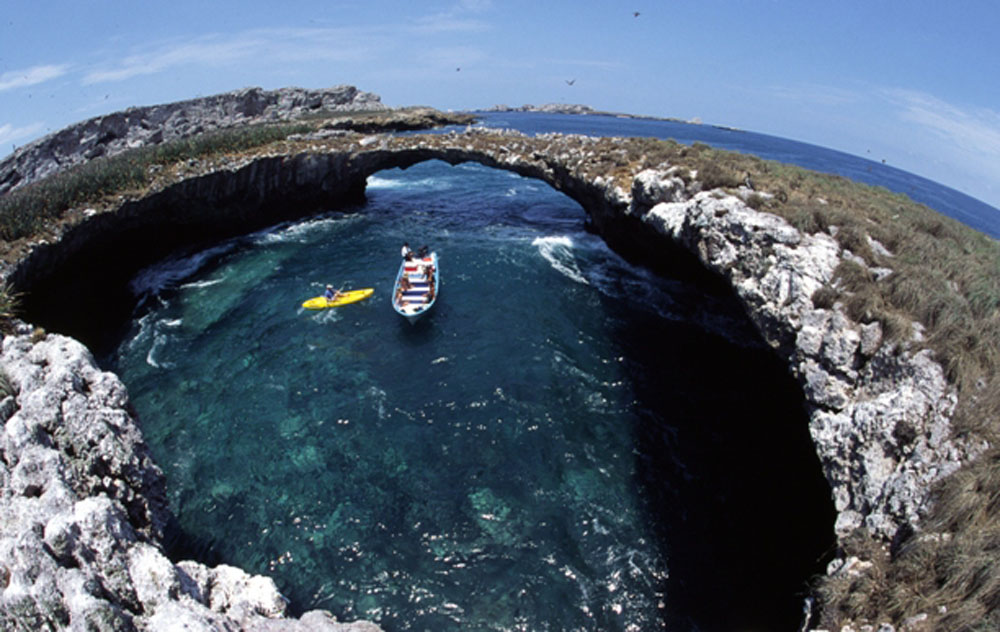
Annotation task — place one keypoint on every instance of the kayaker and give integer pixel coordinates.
(331, 294)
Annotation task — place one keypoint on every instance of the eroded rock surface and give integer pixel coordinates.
(82, 510)
(880, 415)
(112, 133)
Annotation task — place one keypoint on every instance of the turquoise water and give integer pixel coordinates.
(510, 462)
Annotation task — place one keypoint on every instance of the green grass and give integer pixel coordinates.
(24, 211)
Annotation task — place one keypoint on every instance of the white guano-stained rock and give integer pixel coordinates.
(82, 508)
(880, 416)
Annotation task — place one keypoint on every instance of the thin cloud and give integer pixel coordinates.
(457, 18)
(974, 130)
(30, 76)
(475, 5)
(203, 52)
(816, 94)
(265, 45)
(10, 134)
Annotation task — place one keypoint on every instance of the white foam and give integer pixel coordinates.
(378, 398)
(376, 182)
(159, 342)
(301, 231)
(326, 315)
(195, 285)
(558, 251)
(154, 278)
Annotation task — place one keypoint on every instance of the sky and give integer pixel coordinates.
(913, 83)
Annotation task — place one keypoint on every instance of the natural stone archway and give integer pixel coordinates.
(859, 392)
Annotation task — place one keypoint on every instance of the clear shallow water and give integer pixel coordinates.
(519, 459)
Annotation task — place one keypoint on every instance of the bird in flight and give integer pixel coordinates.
(570, 81)
(636, 14)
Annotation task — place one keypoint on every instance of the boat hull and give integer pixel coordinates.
(413, 300)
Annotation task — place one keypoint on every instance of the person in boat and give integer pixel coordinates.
(404, 285)
(422, 252)
(406, 253)
(331, 294)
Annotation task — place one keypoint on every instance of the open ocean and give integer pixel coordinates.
(567, 442)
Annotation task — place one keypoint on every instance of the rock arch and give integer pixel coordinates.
(859, 393)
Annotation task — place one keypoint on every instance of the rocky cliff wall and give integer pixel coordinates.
(135, 127)
(82, 510)
(879, 413)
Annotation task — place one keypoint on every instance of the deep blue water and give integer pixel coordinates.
(946, 200)
(567, 442)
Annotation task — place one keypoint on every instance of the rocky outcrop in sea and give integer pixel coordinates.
(150, 125)
(550, 108)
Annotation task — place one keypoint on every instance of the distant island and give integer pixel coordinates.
(579, 108)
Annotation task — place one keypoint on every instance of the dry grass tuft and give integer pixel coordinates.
(6, 388)
(9, 305)
(949, 572)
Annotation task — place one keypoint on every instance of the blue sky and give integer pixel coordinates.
(911, 82)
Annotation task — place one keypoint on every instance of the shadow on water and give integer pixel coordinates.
(730, 476)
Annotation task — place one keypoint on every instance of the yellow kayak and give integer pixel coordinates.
(352, 296)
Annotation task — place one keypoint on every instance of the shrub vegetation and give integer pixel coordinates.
(24, 210)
